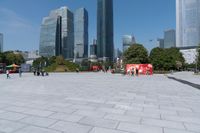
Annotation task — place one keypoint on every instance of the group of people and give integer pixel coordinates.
(42, 73)
(133, 72)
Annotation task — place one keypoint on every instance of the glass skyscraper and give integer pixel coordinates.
(81, 33)
(105, 44)
(169, 38)
(1, 42)
(128, 40)
(187, 23)
(57, 34)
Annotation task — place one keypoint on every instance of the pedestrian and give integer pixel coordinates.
(20, 72)
(137, 72)
(7, 73)
(34, 72)
(132, 72)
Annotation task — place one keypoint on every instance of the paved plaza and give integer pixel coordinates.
(98, 103)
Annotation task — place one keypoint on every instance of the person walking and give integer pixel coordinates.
(8, 74)
(20, 72)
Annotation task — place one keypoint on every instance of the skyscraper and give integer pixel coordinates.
(81, 33)
(57, 34)
(169, 38)
(128, 40)
(187, 23)
(93, 48)
(1, 42)
(160, 42)
(105, 44)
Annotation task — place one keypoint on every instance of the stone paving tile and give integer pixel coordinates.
(82, 107)
(124, 118)
(104, 130)
(188, 114)
(8, 126)
(137, 128)
(163, 123)
(94, 114)
(186, 119)
(112, 110)
(66, 117)
(12, 116)
(131, 108)
(176, 108)
(70, 127)
(16, 109)
(38, 121)
(32, 129)
(192, 127)
(61, 109)
(159, 111)
(143, 114)
(36, 112)
(167, 130)
(99, 122)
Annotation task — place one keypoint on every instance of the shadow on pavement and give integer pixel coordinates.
(197, 86)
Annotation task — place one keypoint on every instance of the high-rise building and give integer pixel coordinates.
(1, 42)
(93, 48)
(81, 33)
(169, 38)
(105, 44)
(187, 23)
(160, 42)
(57, 34)
(128, 40)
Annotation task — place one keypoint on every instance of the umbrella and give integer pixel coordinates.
(13, 66)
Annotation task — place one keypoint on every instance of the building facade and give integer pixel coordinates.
(81, 33)
(105, 44)
(57, 34)
(1, 42)
(189, 54)
(169, 38)
(160, 42)
(128, 40)
(187, 23)
(93, 48)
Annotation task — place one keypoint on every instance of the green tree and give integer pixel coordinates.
(136, 54)
(166, 59)
(40, 62)
(2, 57)
(157, 58)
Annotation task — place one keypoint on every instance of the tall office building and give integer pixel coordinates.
(160, 42)
(1, 42)
(105, 44)
(57, 34)
(93, 48)
(187, 23)
(81, 33)
(169, 38)
(128, 40)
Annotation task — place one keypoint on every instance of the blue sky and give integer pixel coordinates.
(20, 20)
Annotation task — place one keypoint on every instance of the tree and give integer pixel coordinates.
(10, 57)
(136, 54)
(166, 59)
(157, 58)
